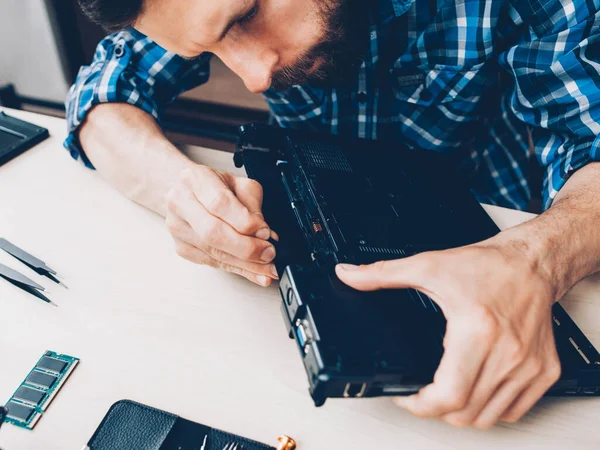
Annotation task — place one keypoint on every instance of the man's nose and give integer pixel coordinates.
(256, 69)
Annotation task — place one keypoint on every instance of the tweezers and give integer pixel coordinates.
(22, 282)
(35, 264)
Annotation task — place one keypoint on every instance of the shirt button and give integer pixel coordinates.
(362, 97)
(119, 50)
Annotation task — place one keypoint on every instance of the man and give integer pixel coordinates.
(482, 80)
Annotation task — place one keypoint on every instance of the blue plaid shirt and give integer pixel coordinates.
(495, 83)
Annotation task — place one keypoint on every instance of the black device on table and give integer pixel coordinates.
(17, 136)
(334, 200)
(130, 425)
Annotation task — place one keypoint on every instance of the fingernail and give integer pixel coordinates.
(263, 233)
(274, 271)
(348, 267)
(268, 254)
(274, 236)
(263, 280)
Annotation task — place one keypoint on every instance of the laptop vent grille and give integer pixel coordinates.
(382, 250)
(324, 156)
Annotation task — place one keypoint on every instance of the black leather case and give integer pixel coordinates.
(17, 136)
(3, 412)
(132, 426)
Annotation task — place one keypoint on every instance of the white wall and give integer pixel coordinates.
(28, 54)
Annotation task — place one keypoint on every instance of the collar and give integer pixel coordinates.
(391, 9)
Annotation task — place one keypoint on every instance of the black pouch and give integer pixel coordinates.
(17, 136)
(3, 413)
(129, 425)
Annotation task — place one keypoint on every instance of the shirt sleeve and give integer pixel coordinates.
(556, 67)
(129, 67)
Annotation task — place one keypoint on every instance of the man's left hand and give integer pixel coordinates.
(499, 351)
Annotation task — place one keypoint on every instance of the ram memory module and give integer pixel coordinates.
(36, 392)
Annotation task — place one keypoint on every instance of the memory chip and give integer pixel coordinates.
(29, 395)
(40, 379)
(19, 411)
(33, 396)
(51, 364)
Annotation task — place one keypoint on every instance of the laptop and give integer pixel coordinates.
(335, 200)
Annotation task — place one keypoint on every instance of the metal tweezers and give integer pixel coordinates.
(22, 282)
(35, 264)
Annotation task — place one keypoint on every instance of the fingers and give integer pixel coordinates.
(536, 370)
(507, 359)
(502, 399)
(215, 219)
(546, 379)
(397, 274)
(250, 194)
(514, 374)
(237, 267)
(181, 230)
(214, 235)
(456, 375)
(214, 191)
(512, 377)
(186, 234)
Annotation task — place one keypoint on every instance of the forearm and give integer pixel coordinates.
(129, 149)
(564, 242)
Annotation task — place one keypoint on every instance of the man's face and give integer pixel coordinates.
(267, 43)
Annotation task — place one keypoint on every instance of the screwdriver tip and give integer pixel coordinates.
(63, 285)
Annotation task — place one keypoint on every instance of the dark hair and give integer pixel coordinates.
(113, 15)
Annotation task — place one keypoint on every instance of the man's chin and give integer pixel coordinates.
(318, 82)
(320, 78)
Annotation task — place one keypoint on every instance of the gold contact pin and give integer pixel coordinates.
(286, 443)
(317, 227)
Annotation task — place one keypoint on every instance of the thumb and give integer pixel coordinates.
(397, 274)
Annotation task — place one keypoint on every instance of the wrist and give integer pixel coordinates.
(529, 250)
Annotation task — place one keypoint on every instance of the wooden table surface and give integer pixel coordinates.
(205, 345)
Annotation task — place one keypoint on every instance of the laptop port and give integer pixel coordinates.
(400, 389)
(290, 297)
(355, 390)
(301, 335)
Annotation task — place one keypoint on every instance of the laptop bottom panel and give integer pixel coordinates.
(333, 200)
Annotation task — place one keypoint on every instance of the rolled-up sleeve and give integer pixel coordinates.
(129, 67)
(556, 67)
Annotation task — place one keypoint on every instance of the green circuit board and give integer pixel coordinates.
(36, 392)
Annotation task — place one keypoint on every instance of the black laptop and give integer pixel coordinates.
(334, 200)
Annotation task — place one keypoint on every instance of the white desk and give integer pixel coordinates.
(206, 345)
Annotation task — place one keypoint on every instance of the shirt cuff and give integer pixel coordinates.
(557, 173)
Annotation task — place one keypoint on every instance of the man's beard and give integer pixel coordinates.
(339, 55)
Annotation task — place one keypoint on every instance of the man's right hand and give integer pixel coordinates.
(215, 219)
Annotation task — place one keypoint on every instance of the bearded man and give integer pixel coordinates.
(507, 87)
